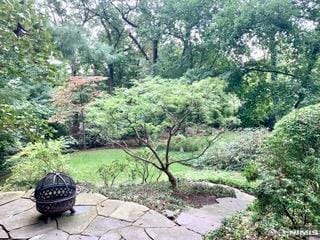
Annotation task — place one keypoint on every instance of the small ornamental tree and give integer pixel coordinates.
(70, 102)
(158, 108)
(291, 187)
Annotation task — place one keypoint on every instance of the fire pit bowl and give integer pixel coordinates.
(55, 194)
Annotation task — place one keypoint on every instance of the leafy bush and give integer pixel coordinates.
(292, 170)
(110, 172)
(244, 225)
(185, 144)
(251, 171)
(33, 162)
(235, 154)
(204, 187)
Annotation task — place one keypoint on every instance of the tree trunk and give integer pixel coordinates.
(273, 59)
(74, 68)
(83, 131)
(111, 77)
(187, 50)
(171, 178)
(155, 50)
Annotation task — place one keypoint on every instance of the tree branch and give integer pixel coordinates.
(123, 15)
(270, 71)
(139, 46)
(146, 143)
(172, 132)
(125, 148)
(216, 137)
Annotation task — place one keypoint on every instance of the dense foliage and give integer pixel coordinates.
(268, 51)
(33, 162)
(158, 108)
(156, 103)
(291, 187)
(244, 226)
(27, 75)
(236, 153)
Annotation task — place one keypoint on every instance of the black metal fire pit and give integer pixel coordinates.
(55, 194)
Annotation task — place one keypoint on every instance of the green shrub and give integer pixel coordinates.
(290, 188)
(235, 154)
(195, 188)
(251, 171)
(33, 162)
(244, 225)
(110, 172)
(185, 144)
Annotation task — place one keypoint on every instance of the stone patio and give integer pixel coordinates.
(99, 218)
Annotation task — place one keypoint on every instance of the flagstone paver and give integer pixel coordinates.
(15, 207)
(129, 211)
(133, 233)
(78, 222)
(175, 233)
(98, 218)
(52, 235)
(210, 217)
(29, 217)
(3, 234)
(33, 230)
(154, 219)
(101, 225)
(111, 236)
(89, 199)
(6, 197)
(107, 207)
(81, 237)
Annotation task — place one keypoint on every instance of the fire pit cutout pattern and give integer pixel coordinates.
(55, 194)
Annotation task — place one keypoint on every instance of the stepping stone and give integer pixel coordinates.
(107, 207)
(111, 236)
(33, 230)
(3, 234)
(29, 217)
(79, 221)
(81, 237)
(153, 219)
(100, 225)
(28, 194)
(89, 199)
(15, 207)
(134, 233)
(6, 197)
(175, 233)
(129, 211)
(199, 222)
(52, 235)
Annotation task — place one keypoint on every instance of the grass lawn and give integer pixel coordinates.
(84, 165)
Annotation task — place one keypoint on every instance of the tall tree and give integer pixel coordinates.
(27, 73)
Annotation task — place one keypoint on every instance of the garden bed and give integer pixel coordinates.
(159, 196)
